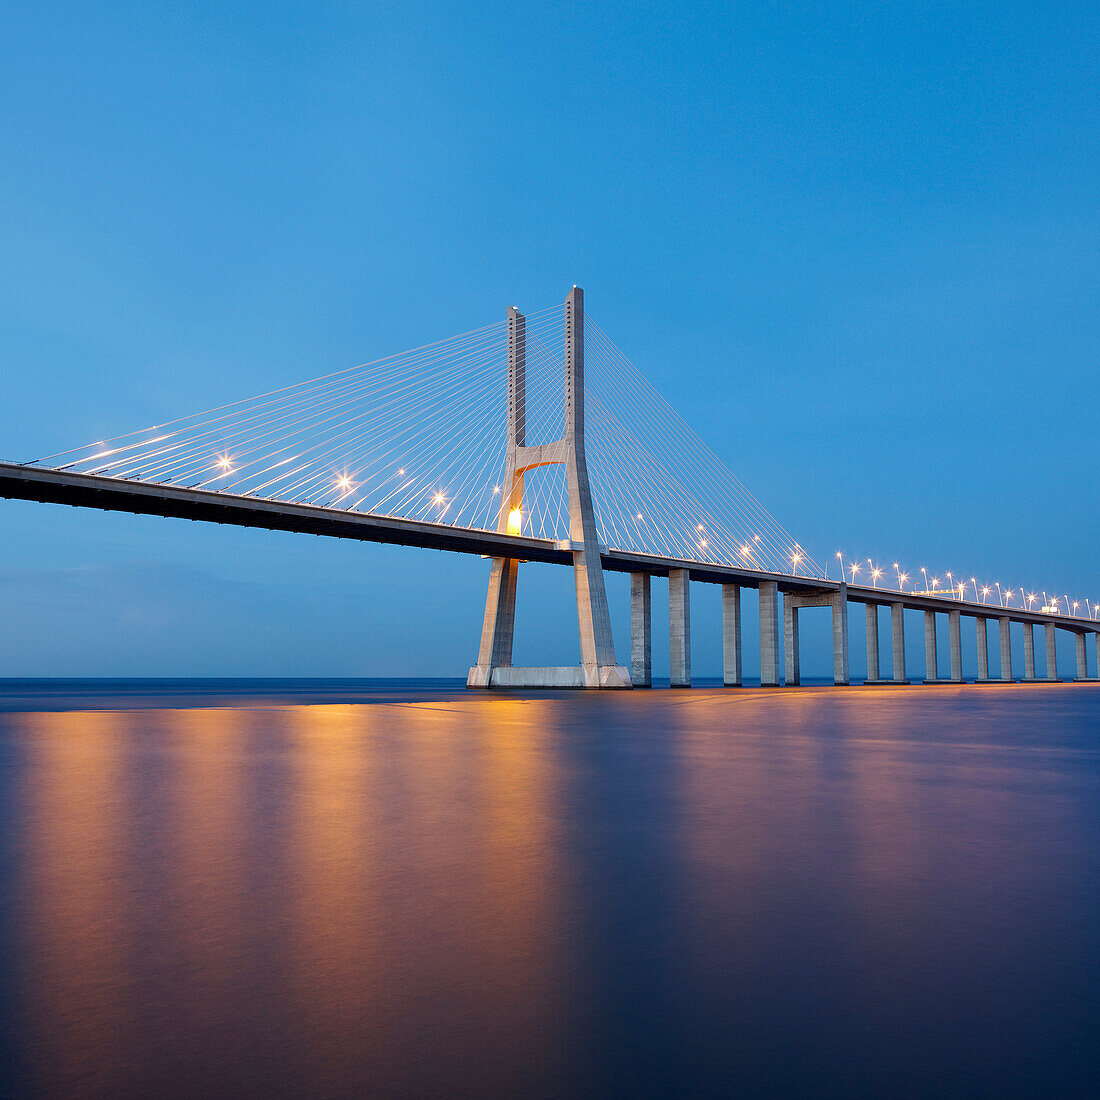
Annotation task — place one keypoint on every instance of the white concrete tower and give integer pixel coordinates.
(597, 668)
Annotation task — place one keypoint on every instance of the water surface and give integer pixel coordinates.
(394, 889)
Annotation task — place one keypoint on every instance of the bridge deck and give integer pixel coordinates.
(144, 498)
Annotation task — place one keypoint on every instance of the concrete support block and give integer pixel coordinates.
(731, 635)
(872, 641)
(983, 647)
(954, 633)
(1029, 651)
(1082, 658)
(679, 628)
(897, 631)
(769, 634)
(641, 631)
(790, 640)
(1004, 625)
(1052, 652)
(931, 663)
(840, 635)
(562, 676)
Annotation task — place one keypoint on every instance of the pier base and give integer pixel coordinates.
(560, 676)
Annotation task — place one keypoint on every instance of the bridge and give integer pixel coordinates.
(430, 449)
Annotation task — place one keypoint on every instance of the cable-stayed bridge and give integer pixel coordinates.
(533, 439)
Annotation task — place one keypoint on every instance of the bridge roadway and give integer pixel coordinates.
(143, 498)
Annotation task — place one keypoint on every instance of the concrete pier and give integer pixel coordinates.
(872, 641)
(983, 646)
(1004, 625)
(790, 640)
(731, 635)
(679, 628)
(954, 634)
(641, 631)
(897, 632)
(840, 635)
(1082, 658)
(769, 634)
(1029, 651)
(1052, 652)
(931, 666)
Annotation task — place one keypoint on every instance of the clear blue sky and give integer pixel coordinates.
(857, 246)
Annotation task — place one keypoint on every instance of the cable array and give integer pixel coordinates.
(658, 487)
(421, 435)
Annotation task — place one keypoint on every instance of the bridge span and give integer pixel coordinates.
(34, 483)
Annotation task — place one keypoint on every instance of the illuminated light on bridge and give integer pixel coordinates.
(599, 473)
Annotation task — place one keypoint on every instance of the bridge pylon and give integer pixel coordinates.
(598, 667)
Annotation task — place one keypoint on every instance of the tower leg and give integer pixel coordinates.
(593, 618)
(499, 626)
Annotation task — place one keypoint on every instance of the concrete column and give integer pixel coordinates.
(790, 640)
(679, 628)
(769, 634)
(1005, 628)
(954, 633)
(931, 666)
(1082, 659)
(872, 641)
(897, 631)
(641, 631)
(840, 635)
(1029, 651)
(731, 635)
(983, 647)
(1052, 652)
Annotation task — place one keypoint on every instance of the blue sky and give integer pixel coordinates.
(857, 246)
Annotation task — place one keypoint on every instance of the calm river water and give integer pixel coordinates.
(290, 888)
